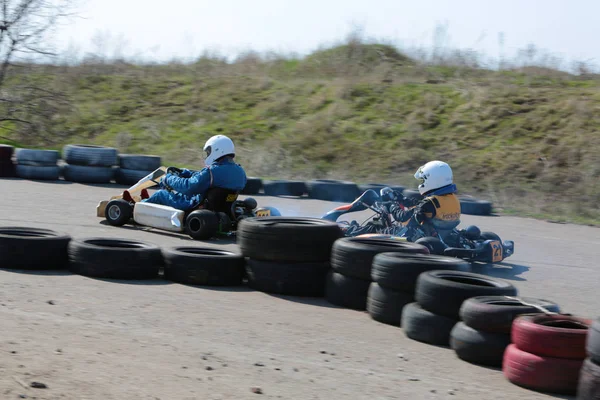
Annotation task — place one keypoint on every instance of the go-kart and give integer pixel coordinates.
(217, 215)
(469, 244)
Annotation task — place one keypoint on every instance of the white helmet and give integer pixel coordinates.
(217, 147)
(433, 175)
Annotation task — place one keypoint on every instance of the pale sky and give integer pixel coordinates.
(184, 28)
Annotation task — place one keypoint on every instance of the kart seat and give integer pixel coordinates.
(445, 228)
(220, 199)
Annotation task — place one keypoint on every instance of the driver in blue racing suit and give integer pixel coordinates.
(438, 212)
(185, 189)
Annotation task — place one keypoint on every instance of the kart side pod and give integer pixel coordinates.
(159, 216)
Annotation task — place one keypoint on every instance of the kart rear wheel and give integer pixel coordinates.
(434, 245)
(202, 224)
(118, 212)
(490, 236)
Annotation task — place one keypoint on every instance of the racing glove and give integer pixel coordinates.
(174, 171)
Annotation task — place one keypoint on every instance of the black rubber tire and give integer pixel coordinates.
(496, 314)
(353, 256)
(347, 292)
(33, 248)
(284, 188)
(332, 190)
(202, 224)
(378, 186)
(424, 326)
(287, 239)
(6, 153)
(83, 174)
(90, 156)
(36, 157)
(434, 245)
(253, 186)
(385, 305)
(478, 347)
(593, 341)
(470, 206)
(115, 258)
(399, 271)
(7, 169)
(139, 162)
(129, 177)
(203, 266)
(293, 279)
(490, 236)
(42, 173)
(588, 386)
(122, 214)
(443, 292)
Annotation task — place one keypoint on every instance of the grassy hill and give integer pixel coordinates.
(527, 139)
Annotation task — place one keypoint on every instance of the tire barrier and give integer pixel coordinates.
(7, 167)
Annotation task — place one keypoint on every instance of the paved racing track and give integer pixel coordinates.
(156, 340)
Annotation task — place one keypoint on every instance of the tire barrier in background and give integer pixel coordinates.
(7, 167)
(472, 206)
(33, 248)
(284, 188)
(253, 186)
(332, 190)
(133, 167)
(89, 164)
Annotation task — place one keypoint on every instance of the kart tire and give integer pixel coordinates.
(6, 153)
(90, 156)
(535, 372)
(253, 186)
(332, 190)
(287, 239)
(478, 347)
(399, 271)
(203, 266)
(347, 292)
(7, 169)
(385, 305)
(353, 256)
(496, 314)
(118, 212)
(443, 292)
(129, 177)
(593, 341)
(306, 279)
(588, 387)
(557, 336)
(42, 173)
(35, 157)
(115, 258)
(85, 174)
(470, 206)
(426, 327)
(139, 162)
(33, 248)
(490, 236)
(434, 245)
(202, 224)
(284, 188)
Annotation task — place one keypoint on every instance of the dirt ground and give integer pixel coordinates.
(87, 338)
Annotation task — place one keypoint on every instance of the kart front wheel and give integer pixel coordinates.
(118, 212)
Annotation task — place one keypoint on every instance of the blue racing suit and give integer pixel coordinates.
(188, 189)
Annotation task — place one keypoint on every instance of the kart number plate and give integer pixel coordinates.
(263, 213)
(496, 251)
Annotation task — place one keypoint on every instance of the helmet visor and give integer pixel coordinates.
(208, 150)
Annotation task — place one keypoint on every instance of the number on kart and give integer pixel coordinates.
(496, 251)
(263, 213)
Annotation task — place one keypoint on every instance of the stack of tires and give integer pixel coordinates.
(37, 164)
(483, 334)
(394, 278)
(284, 188)
(332, 190)
(253, 186)
(589, 377)
(133, 167)
(439, 295)
(89, 164)
(472, 206)
(547, 352)
(287, 255)
(7, 167)
(33, 248)
(349, 282)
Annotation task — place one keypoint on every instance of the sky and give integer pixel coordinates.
(162, 30)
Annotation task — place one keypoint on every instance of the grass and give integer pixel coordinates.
(526, 138)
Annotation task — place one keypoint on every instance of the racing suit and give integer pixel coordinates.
(438, 212)
(187, 191)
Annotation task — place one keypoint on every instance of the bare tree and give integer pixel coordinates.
(26, 28)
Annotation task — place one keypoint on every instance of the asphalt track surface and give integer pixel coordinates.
(99, 339)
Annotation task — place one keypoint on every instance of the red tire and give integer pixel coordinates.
(545, 374)
(559, 336)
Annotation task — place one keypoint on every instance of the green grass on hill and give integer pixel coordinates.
(527, 139)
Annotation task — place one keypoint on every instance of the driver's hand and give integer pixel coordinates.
(174, 170)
